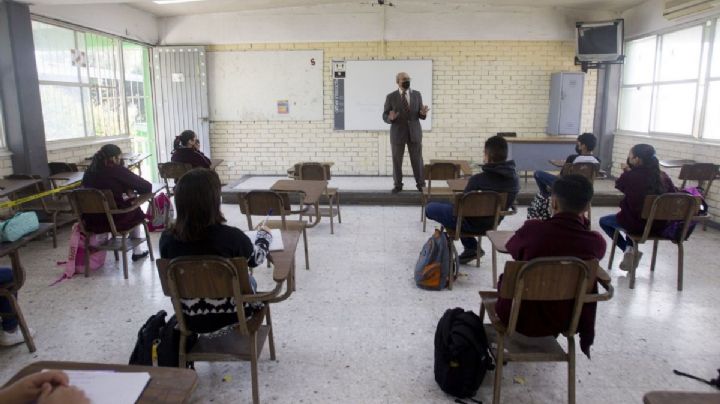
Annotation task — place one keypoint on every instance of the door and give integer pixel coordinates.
(180, 84)
(571, 98)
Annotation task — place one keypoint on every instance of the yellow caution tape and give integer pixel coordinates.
(16, 202)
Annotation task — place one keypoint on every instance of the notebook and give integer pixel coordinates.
(109, 387)
(275, 245)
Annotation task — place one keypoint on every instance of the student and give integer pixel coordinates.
(641, 177)
(498, 175)
(47, 387)
(187, 150)
(10, 334)
(584, 147)
(200, 230)
(567, 233)
(107, 172)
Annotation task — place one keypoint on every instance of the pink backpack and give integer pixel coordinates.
(75, 263)
(159, 213)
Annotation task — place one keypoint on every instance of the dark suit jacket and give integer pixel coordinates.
(406, 127)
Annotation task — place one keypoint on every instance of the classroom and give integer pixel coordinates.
(379, 183)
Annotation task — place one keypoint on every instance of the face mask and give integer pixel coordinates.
(405, 84)
(629, 164)
(577, 149)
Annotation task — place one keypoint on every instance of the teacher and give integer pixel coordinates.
(403, 109)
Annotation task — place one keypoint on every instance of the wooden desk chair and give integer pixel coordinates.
(704, 174)
(320, 172)
(58, 167)
(476, 204)
(172, 171)
(666, 207)
(587, 170)
(542, 279)
(8, 291)
(51, 207)
(262, 203)
(437, 172)
(216, 278)
(95, 201)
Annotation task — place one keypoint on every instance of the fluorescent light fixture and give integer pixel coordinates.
(173, 1)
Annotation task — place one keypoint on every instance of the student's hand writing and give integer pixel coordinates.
(30, 387)
(263, 227)
(392, 115)
(62, 395)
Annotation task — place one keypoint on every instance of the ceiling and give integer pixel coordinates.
(219, 6)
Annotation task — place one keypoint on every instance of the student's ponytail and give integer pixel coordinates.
(182, 139)
(646, 154)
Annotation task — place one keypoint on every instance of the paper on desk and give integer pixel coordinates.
(108, 387)
(275, 245)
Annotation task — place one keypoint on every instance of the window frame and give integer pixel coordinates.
(709, 26)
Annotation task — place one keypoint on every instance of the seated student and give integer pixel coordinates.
(567, 233)
(47, 387)
(498, 175)
(200, 230)
(10, 334)
(107, 172)
(584, 147)
(641, 177)
(187, 150)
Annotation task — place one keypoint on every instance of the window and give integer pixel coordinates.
(80, 82)
(662, 80)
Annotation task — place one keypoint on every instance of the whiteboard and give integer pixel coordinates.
(265, 85)
(368, 82)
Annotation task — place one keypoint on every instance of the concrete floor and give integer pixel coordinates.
(357, 330)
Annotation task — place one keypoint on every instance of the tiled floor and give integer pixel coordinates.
(357, 330)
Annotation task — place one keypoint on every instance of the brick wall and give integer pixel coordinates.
(479, 88)
(671, 150)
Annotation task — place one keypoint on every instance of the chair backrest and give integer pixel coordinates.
(587, 170)
(264, 202)
(93, 201)
(205, 276)
(548, 279)
(670, 206)
(311, 170)
(441, 171)
(59, 167)
(700, 172)
(507, 134)
(479, 204)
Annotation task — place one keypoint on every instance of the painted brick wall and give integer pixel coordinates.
(479, 88)
(671, 149)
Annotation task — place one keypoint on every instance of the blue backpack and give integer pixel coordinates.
(673, 229)
(436, 263)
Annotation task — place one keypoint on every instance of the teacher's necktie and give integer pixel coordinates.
(405, 102)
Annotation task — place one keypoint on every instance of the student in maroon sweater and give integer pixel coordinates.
(107, 172)
(567, 233)
(641, 177)
(187, 150)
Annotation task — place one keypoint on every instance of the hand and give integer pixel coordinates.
(30, 387)
(625, 167)
(424, 110)
(62, 395)
(392, 115)
(263, 227)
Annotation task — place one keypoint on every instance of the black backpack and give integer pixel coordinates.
(166, 338)
(462, 353)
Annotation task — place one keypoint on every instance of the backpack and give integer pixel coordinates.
(75, 263)
(673, 229)
(436, 263)
(160, 213)
(161, 337)
(462, 353)
(539, 208)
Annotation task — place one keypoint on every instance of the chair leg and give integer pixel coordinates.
(54, 229)
(253, 368)
(571, 370)
(86, 258)
(21, 323)
(633, 268)
(654, 255)
(494, 267)
(148, 240)
(422, 213)
(307, 259)
(117, 256)
(271, 336)
(500, 357)
(337, 203)
(330, 208)
(681, 254)
(612, 250)
(477, 252)
(123, 242)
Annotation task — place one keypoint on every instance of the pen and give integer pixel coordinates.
(267, 217)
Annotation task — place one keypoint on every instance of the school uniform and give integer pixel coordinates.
(120, 181)
(189, 155)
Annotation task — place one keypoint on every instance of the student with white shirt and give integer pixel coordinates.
(584, 147)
